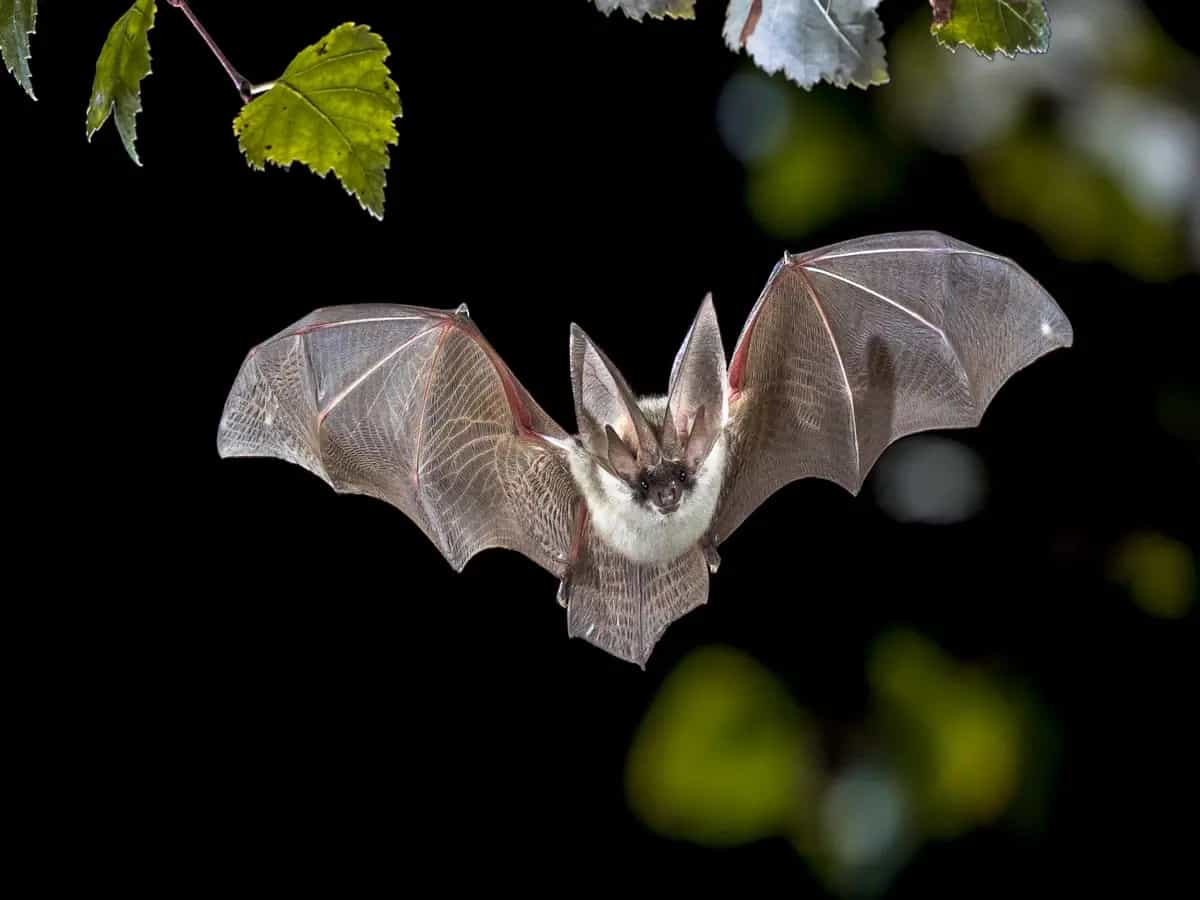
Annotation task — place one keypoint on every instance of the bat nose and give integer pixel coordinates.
(668, 496)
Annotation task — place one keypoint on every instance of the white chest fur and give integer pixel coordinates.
(639, 532)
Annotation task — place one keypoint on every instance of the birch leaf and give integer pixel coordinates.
(18, 19)
(656, 9)
(332, 109)
(124, 61)
(992, 26)
(838, 41)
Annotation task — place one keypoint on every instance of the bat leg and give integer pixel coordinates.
(711, 556)
(564, 585)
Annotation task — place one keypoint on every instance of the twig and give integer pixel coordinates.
(243, 85)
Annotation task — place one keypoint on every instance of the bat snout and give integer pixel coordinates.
(666, 497)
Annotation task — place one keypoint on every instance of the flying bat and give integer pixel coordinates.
(847, 349)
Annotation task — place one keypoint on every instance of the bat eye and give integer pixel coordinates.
(645, 485)
(682, 476)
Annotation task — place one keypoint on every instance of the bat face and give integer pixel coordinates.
(662, 487)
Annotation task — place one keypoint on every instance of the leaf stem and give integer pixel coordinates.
(243, 85)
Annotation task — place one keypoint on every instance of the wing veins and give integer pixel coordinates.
(885, 299)
(906, 250)
(367, 374)
(812, 293)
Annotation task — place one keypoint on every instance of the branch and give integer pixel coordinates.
(244, 88)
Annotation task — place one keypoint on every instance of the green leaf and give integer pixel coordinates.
(838, 41)
(992, 26)
(18, 19)
(333, 109)
(656, 9)
(124, 61)
(723, 755)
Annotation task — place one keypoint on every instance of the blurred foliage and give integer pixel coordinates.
(992, 26)
(1158, 571)
(959, 734)
(18, 20)
(809, 158)
(724, 756)
(1096, 144)
(930, 478)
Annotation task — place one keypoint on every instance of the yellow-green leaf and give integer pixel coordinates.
(124, 61)
(655, 9)
(18, 19)
(723, 756)
(332, 109)
(992, 26)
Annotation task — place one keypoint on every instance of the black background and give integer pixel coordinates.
(259, 682)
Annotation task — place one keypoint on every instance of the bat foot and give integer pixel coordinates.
(564, 590)
(711, 556)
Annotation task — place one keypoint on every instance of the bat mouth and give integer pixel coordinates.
(666, 509)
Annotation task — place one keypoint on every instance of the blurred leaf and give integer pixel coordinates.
(18, 20)
(1178, 408)
(124, 61)
(993, 26)
(810, 40)
(723, 756)
(656, 9)
(962, 734)
(825, 166)
(1159, 572)
(931, 479)
(1077, 207)
(332, 109)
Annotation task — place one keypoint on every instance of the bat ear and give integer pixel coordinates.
(700, 441)
(699, 384)
(603, 400)
(620, 457)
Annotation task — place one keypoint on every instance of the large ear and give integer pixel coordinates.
(697, 401)
(603, 399)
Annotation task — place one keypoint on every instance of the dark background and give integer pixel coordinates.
(260, 682)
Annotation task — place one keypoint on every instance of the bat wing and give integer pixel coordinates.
(414, 407)
(855, 345)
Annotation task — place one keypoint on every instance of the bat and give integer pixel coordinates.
(848, 348)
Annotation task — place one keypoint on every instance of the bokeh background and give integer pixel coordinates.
(977, 676)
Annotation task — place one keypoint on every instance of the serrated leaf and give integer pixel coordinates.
(838, 41)
(992, 26)
(18, 19)
(124, 61)
(332, 109)
(656, 9)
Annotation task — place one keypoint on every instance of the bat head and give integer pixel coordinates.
(657, 448)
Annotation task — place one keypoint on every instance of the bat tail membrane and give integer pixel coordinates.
(624, 607)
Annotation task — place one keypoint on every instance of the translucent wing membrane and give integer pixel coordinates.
(855, 345)
(412, 406)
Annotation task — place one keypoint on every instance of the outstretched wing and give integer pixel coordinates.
(412, 406)
(857, 344)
